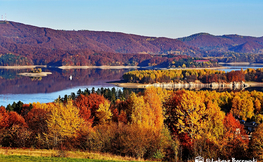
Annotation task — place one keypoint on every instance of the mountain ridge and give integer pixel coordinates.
(45, 45)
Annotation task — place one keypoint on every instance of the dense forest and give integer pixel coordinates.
(203, 75)
(156, 124)
(22, 44)
(110, 59)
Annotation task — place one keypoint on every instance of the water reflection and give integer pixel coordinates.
(14, 88)
(238, 67)
(45, 89)
(11, 83)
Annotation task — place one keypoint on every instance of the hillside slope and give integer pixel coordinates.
(225, 43)
(26, 44)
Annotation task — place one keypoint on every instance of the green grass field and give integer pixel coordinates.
(19, 158)
(18, 154)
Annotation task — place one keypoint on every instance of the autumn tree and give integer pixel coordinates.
(36, 120)
(141, 112)
(16, 119)
(243, 106)
(257, 105)
(14, 132)
(88, 106)
(63, 122)
(235, 141)
(189, 114)
(213, 129)
(121, 111)
(155, 102)
(256, 143)
(104, 113)
(213, 126)
(235, 76)
(4, 118)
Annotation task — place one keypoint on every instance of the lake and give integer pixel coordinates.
(14, 88)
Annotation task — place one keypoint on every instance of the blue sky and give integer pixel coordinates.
(160, 18)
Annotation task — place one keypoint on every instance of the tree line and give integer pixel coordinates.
(156, 124)
(204, 75)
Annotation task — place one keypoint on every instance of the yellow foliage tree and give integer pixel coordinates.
(154, 100)
(242, 107)
(141, 112)
(104, 113)
(257, 106)
(259, 118)
(213, 125)
(44, 106)
(64, 121)
(189, 114)
(148, 110)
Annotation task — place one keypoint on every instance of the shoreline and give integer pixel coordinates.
(195, 85)
(234, 63)
(239, 63)
(212, 68)
(99, 67)
(130, 85)
(256, 64)
(104, 67)
(23, 67)
(126, 67)
(42, 74)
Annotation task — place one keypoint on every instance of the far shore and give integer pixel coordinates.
(130, 85)
(212, 68)
(140, 85)
(234, 63)
(125, 67)
(100, 67)
(134, 67)
(239, 63)
(23, 67)
(257, 64)
(103, 67)
(41, 74)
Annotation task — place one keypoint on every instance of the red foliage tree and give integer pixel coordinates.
(8, 119)
(16, 119)
(235, 76)
(171, 106)
(235, 141)
(36, 120)
(4, 118)
(121, 111)
(88, 106)
(25, 109)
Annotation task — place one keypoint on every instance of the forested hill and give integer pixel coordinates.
(35, 37)
(35, 45)
(225, 43)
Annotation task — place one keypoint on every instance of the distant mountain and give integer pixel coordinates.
(58, 47)
(225, 43)
(22, 44)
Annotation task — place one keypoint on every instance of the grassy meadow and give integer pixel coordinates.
(41, 155)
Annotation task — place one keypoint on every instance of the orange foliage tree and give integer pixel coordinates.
(14, 132)
(235, 141)
(88, 106)
(36, 120)
(4, 118)
(256, 143)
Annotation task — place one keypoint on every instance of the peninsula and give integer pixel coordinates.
(192, 79)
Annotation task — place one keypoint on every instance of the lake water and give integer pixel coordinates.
(14, 88)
